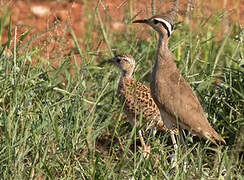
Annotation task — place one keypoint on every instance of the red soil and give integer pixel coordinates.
(56, 42)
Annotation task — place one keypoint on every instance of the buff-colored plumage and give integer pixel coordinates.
(178, 104)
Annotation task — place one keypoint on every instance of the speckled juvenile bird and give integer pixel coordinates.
(136, 98)
(178, 104)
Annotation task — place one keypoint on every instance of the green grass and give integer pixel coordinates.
(76, 132)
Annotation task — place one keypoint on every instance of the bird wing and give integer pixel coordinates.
(137, 99)
(179, 100)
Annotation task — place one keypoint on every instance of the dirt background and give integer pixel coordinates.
(51, 22)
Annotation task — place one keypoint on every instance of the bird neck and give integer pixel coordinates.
(163, 52)
(126, 74)
(163, 57)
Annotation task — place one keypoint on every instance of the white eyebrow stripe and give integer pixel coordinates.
(169, 26)
(127, 59)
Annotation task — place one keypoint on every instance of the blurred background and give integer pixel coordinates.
(57, 17)
(60, 117)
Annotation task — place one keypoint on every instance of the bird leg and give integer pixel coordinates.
(174, 157)
(184, 146)
(182, 141)
(146, 148)
(172, 135)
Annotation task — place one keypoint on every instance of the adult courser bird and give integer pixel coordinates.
(178, 104)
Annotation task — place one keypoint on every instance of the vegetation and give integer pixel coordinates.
(48, 130)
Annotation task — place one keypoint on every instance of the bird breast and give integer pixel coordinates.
(137, 100)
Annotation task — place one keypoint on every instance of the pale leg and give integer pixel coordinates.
(182, 139)
(184, 145)
(172, 135)
(174, 157)
(146, 148)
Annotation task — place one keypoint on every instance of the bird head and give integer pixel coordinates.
(125, 62)
(161, 23)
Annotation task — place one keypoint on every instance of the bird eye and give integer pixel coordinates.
(118, 60)
(155, 21)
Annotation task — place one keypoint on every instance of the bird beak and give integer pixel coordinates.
(145, 21)
(107, 61)
(111, 60)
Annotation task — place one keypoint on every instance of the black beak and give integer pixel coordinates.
(107, 61)
(145, 21)
(110, 61)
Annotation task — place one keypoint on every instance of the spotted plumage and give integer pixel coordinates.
(137, 101)
(136, 98)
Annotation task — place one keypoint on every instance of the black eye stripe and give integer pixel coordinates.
(119, 59)
(167, 28)
(166, 24)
